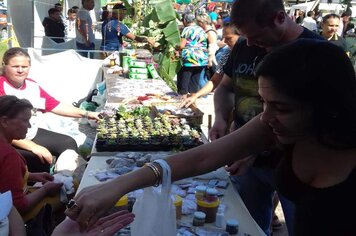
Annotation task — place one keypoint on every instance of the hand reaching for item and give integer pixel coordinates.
(188, 101)
(212, 60)
(241, 166)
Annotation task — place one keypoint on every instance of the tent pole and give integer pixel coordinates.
(33, 24)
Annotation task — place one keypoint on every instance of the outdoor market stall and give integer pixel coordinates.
(140, 124)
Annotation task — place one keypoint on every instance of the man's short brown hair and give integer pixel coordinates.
(260, 11)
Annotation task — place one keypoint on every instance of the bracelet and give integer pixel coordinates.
(156, 172)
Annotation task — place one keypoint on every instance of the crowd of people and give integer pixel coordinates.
(79, 25)
(284, 125)
(57, 27)
(331, 26)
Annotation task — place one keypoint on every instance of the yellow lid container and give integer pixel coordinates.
(209, 208)
(208, 204)
(124, 201)
(178, 204)
(178, 201)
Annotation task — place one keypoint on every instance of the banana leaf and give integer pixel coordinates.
(166, 77)
(168, 69)
(171, 33)
(174, 68)
(155, 2)
(165, 11)
(171, 28)
(152, 16)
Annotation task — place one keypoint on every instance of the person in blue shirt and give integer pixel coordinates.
(214, 14)
(115, 29)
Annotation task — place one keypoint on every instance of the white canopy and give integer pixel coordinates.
(324, 7)
(307, 6)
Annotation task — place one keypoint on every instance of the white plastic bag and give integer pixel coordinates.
(154, 211)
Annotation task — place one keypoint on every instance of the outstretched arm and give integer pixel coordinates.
(223, 103)
(94, 201)
(64, 109)
(208, 87)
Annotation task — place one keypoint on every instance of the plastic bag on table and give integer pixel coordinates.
(154, 211)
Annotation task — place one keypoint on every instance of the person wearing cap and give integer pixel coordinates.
(114, 30)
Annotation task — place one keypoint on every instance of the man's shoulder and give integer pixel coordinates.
(309, 19)
(46, 20)
(308, 34)
(82, 13)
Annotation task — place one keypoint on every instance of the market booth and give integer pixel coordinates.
(141, 123)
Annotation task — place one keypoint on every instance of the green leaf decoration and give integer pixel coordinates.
(165, 11)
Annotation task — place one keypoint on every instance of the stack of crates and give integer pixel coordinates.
(141, 70)
(137, 69)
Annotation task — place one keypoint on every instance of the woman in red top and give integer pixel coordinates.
(40, 144)
(15, 117)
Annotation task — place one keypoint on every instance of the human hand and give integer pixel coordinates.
(105, 226)
(212, 60)
(218, 130)
(93, 202)
(94, 115)
(151, 41)
(42, 153)
(52, 188)
(241, 166)
(188, 101)
(42, 177)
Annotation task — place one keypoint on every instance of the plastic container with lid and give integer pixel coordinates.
(178, 205)
(122, 204)
(200, 191)
(232, 227)
(211, 194)
(199, 218)
(209, 208)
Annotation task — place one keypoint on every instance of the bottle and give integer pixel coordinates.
(199, 218)
(178, 204)
(209, 208)
(220, 218)
(200, 192)
(232, 227)
(211, 194)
